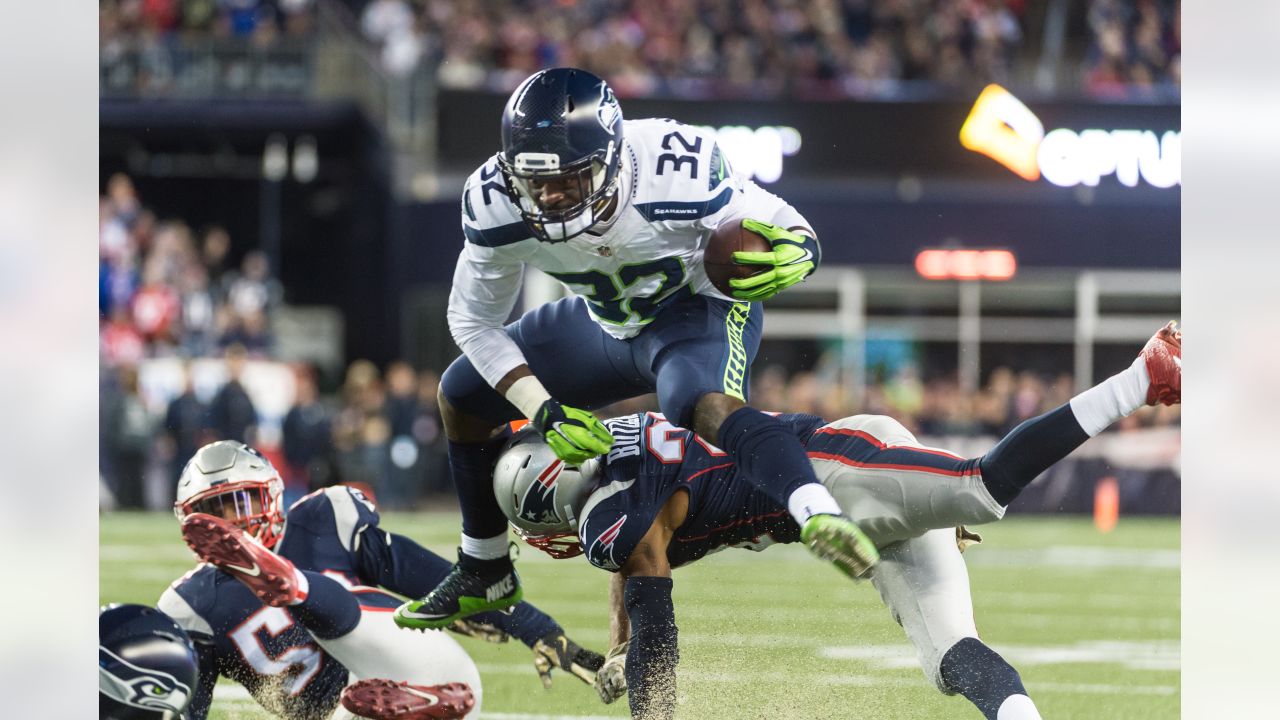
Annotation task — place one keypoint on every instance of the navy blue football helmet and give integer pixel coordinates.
(147, 664)
(561, 151)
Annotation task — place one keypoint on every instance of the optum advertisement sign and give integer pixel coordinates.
(1001, 127)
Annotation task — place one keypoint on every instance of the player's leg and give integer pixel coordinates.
(925, 584)
(893, 487)
(1155, 377)
(578, 363)
(376, 648)
(700, 351)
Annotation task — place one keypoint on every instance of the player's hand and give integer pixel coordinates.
(791, 261)
(574, 435)
(556, 650)
(611, 680)
(479, 630)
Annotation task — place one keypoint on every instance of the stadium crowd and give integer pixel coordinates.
(693, 48)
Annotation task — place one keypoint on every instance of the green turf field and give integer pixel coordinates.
(1091, 621)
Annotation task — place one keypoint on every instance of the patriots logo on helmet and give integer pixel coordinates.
(608, 110)
(539, 502)
(137, 686)
(601, 551)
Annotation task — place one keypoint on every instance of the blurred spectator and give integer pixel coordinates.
(231, 413)
(401, 411)
(361, 432)
(129, 432)
(185, 429)
(307, 440)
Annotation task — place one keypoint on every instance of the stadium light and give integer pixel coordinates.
(955, 264)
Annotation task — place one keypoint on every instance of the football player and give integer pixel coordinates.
(620, 212)
(663, 497)
(294, 628)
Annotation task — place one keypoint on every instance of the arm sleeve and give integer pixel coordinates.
(404, 567)
(485, 285)
(202, 699)
(653, 653)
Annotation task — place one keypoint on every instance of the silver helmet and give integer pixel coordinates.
(231, 480)
(541, 495)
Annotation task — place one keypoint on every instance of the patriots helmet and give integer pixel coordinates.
(561, 151)
(541, 495)
(233, 481)
(147, 665)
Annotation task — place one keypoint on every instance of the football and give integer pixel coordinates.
(728, 239)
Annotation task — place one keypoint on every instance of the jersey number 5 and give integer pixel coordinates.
(275, 621)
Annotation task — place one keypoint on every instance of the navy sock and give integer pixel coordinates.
(981, 675)
(472, 467)
(768, 455)
(1029, 450)
(330, 610)
(653, 653)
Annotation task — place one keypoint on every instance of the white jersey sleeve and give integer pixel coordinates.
(486, 281)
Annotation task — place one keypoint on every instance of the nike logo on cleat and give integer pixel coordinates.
(250, 571)
(431, 699)
(498, 589)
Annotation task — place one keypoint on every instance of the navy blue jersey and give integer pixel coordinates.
(263, 648)
(335, 531)
(650, 460)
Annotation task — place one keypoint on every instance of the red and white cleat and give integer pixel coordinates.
(1163, 357)
(224, 545)
(389, 700)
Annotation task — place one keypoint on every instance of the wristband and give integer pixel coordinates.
(527, 394)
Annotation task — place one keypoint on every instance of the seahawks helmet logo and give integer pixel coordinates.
(139, 687)
(607, 111)
(539, 503)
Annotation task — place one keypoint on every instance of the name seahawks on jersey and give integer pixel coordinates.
(677, 186)
(261, 647)
(650, 460)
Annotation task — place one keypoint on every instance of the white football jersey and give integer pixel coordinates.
(675, 188)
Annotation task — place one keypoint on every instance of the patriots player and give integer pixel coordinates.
(663, 497)
(620, 212)
(294, 628)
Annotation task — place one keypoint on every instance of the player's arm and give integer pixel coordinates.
(652, 652)
(796, 252)
(483, 294)
(202, 698)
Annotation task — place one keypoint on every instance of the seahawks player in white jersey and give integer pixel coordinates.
(620, 212)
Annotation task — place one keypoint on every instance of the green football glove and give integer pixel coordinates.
(574, 435)
(793, 258)
(556, 650)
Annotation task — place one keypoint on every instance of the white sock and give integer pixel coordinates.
(1108, 401)
(811, 499)
(486, 548)
(1017, 707)
(304, 586)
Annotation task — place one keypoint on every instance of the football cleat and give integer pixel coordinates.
(389, 700)
(273, 579)
(837, 539)
(1163, 357)
(472, 586)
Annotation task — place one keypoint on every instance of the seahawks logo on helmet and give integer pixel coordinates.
(539, 502)
(132, 685)
(607, 111)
